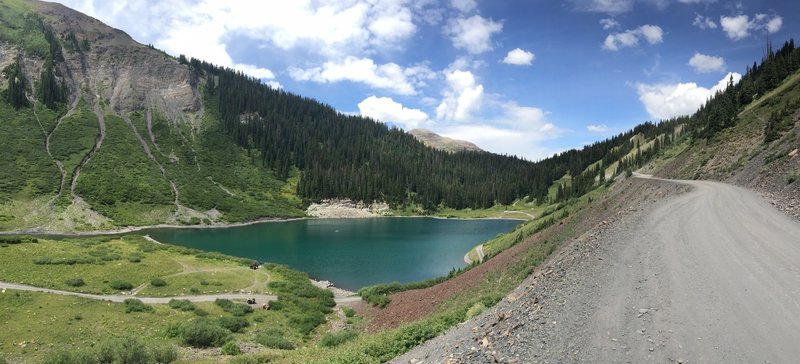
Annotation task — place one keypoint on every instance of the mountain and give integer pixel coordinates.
(437, 141)
(102, 132)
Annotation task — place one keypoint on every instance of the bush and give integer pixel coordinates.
(230, 348)
(274, 339)
(134, 305)
(236, 309)
(75, 282)
(233, 323)
(17, 240)
(183, 305)
(121, 350)
(121, 285)
(164, 353)
(200, 312)
(201, 334)
(348, 312)
(475, 310)
(135, 257)
(330, 340)
(158, 282)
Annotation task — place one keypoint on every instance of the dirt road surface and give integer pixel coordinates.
(708, 276)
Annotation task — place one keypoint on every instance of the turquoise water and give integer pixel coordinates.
(351, 253)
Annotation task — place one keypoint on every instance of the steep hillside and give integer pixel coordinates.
(126, 140)
(759, 152)
(106, 132)
(437, 141)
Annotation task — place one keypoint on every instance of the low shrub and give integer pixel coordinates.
(18, 239)
(200, 312)
(201, 334)
(233, 323)
(121, 285)
(158, 282)
(135, 257)
(330, 340)
(236, 309)
(118, 350)
(75, 282)
(348, 312)
(183, 305)
(475, 310)
(231, 348)
(274, 339)
(134, 305)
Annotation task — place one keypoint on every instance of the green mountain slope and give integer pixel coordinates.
(103, 132)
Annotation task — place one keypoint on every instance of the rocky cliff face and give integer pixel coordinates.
(125, 74)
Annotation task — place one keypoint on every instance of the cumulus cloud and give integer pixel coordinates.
(739, 27)
(201, 28)
(519, 57)
(519, 130)
(597, 128)
(704, 22)
(609, 23)
(663, 101)
(473, 34)
(461, 97)
(389, 76)
(705, 64)
(386, 110)
(652, 34)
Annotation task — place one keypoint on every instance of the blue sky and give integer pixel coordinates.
(528, 78)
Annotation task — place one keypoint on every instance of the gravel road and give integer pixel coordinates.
(708, 276)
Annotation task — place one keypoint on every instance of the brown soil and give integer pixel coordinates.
(412, 305)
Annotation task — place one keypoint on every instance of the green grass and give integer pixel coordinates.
(101, 261)
(74, 137)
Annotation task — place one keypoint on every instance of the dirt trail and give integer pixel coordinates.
(156, 300)
(98, 142)
(146, 148)
(712, 275)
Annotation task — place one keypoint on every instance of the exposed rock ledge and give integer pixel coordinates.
(347, 209)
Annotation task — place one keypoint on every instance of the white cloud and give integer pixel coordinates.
(462, 96)
(696, 1)
(597, 128)
(518, 131)
(704, 63)
(663, 101)
(609, 23)
(739, 27)
(519, 57)
(389, 76)
(704, 22)
(386, 110)
(736, 27)
(774, 24)
(464, 6)
(473, 34)
(202, 28)
(653, 34)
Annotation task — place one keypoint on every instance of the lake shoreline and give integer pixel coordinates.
(134, 229)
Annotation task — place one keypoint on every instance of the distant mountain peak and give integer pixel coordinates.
(437, 141)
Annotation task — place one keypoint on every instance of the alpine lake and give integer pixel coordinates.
(350, 253)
